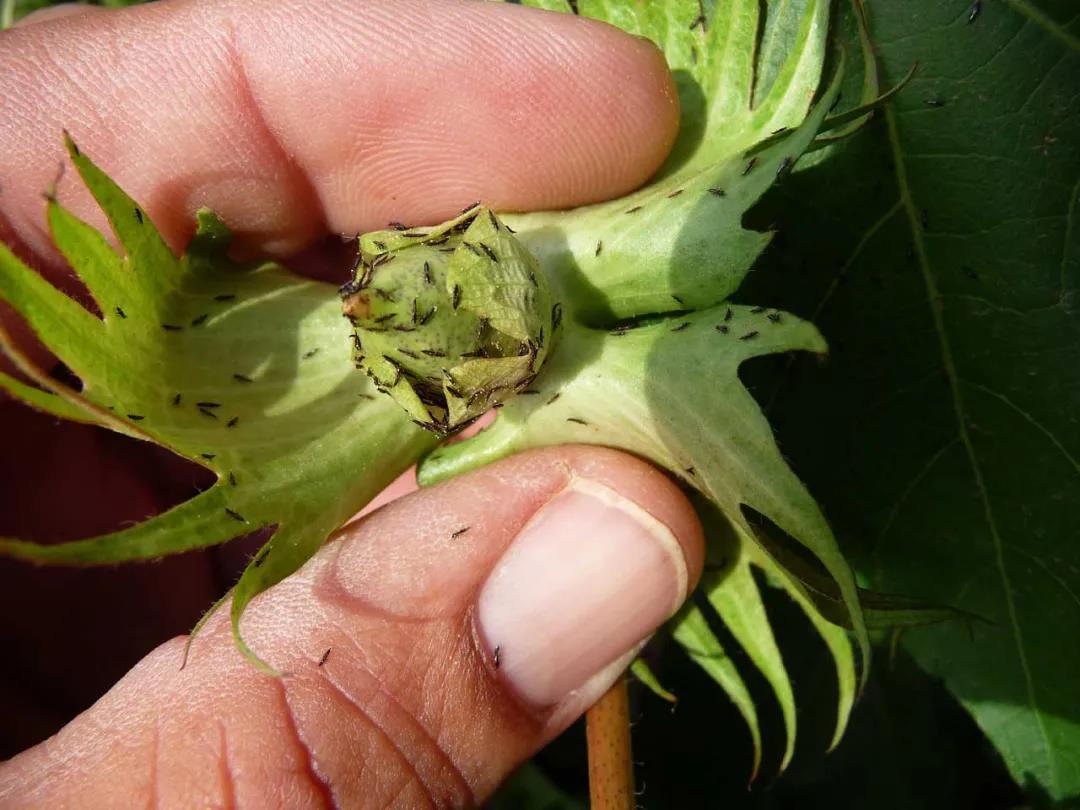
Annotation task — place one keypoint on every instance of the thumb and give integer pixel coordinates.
(429, 650)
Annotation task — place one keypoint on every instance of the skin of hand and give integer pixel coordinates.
(423, 663)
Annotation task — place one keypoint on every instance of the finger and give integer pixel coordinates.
(424, 662)
(293, 119)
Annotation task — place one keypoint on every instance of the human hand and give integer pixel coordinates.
(293, 122)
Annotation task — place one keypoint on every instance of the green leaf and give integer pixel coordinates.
(245, 370)
(939, 253)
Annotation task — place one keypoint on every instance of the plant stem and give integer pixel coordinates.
(611, 769)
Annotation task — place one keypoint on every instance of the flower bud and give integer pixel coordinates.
(451, 320)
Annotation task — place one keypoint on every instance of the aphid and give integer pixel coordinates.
(553, 398)
(633, 210)
(200, 320)
(171, 327)
(208, 456)
(780, 131)
(409, 353)
(681, 326)
(774, 317)
(728, 315)
(691, 470)
(260, 558)
(489, 252)
(531, 391)
(206, 412)
(722, 328)
(134, 417)
(121, 312)
(384, 318)
(934, 102)
(717, 192)
(509, 229)
(350, 288)
(428, 316)
(976, 9)
(749, 336)
(455, 297)
(224, 297)
(599, 247)
(427, 274)
(491, 218)
(678, 300)
(397, 226)
(232, 479)
(757, 310)
(207, 404)
(785, 164)
(495, 655)
(454, 535)
(556, 315)
(138, 216)
(385, 295)
(378, 244)
(675, 194)
(176, 399)
(750, 166)
(232, 422)
(242, 378)
(324, 656)
(433, 352)
(362, 395)
(469, 208)
(698, 20)
(312, 352)
(576, 421)
(235, 515)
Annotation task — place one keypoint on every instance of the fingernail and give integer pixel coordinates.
(589, 577)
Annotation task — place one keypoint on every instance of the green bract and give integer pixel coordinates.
(248, 370)
(449, 321)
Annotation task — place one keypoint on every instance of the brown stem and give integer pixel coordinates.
(611, 769)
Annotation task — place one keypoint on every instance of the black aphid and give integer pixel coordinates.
(934, 102)
(675, 194)
(509, 229)
(722, 328)
(599, 247)
(224, 297)
(384, 318)
(237, 516)
(200, 320)
(242, 378)
(260, 558)
(171, 327)
(232, 422)
(678, 300)
(749, 336)
(757, 310)
(455, 297)
(698, 20)
(750, 166)
(208, 456)
(690, 470)
(728, 315)
(312, 352)
(433, 352)
(206, 412)
(324, 656)
(681, 326)
(532, 279)
(378, 244)
(176, 399)
(398, 226)
(717, 192)
(555, 397)
(469, 208)
(556, 315)
(976, 9)
(400, 328)
(495, 656)
(427, 316)
(349, 288)
(138, 216)
(488, 252)
(232, 479)
(494, 222)
(454, 535)
(785, 164)
(427, 274)
(121, 312)
(385, 295)
(633, 210)
(774, 317)
(134, 417)
(409, 353)
(576, 421)
(207, 404)
(474, 249)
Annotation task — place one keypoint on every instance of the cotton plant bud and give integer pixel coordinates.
(449, 321)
